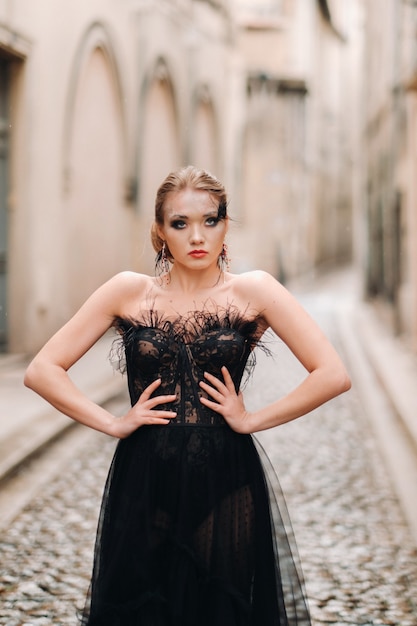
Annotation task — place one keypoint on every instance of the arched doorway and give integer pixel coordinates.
(160, 153)
(96, 224)
(204, 137)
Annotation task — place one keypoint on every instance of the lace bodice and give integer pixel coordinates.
(180, 351)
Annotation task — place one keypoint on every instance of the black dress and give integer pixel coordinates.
(190, 533)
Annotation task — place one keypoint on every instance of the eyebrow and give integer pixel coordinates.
(185, 217)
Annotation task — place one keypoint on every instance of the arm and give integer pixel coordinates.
(47, 373)
(326, 376)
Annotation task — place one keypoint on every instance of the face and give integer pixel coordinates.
(192, 230)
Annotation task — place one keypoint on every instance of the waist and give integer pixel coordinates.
(191, 414)
(216, 421)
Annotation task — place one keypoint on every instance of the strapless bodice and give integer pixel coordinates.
(180, 351)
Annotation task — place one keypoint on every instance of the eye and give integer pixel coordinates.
(178, 224)
(212, 221)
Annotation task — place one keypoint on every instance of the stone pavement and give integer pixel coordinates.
(357, 549)
(384, 373)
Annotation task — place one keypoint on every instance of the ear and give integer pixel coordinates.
(160, 232)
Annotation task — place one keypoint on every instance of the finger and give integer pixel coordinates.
(152, 402)
(215, 406)
(228, 379)
(168, 415)
(158, 421)
(217, 395)
(148, 391)
(214, 381)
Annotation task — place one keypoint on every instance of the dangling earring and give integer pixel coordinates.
(224, 260)
(161, 261)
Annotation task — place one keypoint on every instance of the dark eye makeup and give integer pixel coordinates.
(180, 224)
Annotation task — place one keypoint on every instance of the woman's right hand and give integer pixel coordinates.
(143, 413)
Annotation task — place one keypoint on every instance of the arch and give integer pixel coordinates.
(204, 138)
(95, 229)
(97, 36)
(159, 148)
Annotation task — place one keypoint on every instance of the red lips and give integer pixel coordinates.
(198, 254)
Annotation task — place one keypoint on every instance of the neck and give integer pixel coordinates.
(194, 281)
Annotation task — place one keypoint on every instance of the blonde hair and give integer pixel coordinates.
(187, 177)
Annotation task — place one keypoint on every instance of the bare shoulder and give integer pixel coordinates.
(270, 299)
(128, 280)
(254, 277)
(114, 297)
(124, 288)
(258, 287)
(94, 318)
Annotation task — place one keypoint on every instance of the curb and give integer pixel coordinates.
(47, 427)
(394, 366)
(385, 377)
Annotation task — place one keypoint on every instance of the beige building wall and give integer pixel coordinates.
(64, 192)
(106, 98)
(297, 157)
(390, 131)
(93, 223)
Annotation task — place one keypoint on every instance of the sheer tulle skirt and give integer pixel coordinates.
(190, 534)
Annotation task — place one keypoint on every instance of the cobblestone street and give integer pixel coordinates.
(358, 558)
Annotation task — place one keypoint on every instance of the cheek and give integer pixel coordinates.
(220, 234)
(175, 241)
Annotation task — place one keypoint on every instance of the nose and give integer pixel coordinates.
(196, 235)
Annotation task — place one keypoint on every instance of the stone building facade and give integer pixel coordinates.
(389, 184)
(301, 64)
(100, 100)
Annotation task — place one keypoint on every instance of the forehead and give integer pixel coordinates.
(189, 201)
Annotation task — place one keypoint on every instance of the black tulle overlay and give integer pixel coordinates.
(190, 532)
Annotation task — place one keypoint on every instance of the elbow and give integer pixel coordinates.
(341, 381)
(28, 379)
(346, 384)
(31, 377)
(41, 375)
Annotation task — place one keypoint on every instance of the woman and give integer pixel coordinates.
(189, 531)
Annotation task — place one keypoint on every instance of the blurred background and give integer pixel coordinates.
(305, 109)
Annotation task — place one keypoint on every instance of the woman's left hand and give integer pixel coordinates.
(226, 401)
